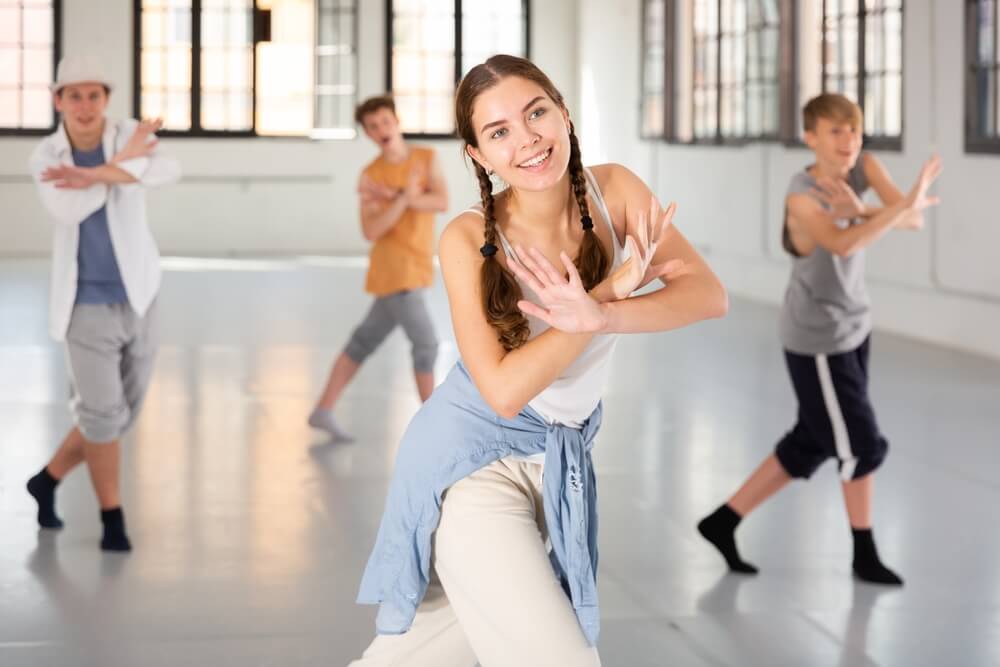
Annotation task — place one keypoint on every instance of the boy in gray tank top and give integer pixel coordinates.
(826, 308)
(825, 326)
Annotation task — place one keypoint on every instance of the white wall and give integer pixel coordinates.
(264, 195)
(941, 284)
(297, 196)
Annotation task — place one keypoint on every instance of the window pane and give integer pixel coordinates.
(983, 96)
(423, 53)
(336, 70)
(38, 25)
(10, 26)
(26, 64)
(165, 62)
(706, 54)
(653, 69)
(883, 69)
(37, 107)
(227, 65)
(10, 108)
(423, 64)
(733, 58)
(285, 70)
(37, 64)
(177, 112)
(10, 67)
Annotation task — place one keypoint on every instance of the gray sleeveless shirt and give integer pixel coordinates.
(826, 308)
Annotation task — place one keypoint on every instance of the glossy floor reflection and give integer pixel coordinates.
(250, 532)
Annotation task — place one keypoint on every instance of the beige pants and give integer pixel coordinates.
(495, 598)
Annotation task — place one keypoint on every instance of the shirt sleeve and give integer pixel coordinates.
(154, 170)
(64, 206)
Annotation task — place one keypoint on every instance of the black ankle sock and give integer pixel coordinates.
(719, 528)
(867, 565)
(43, 488)
(114, 538)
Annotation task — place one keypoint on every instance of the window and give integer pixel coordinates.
(653, 113)
(246, 67)
(705, 86)
(763, 82)
(29, 51)
(336, 69)
(433, 43)
(728, 63)
(862, 58)
(982, 124)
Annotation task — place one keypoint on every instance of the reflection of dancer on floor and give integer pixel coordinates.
(92, 175)
(400, 191)
(825, 328)
(526, 394)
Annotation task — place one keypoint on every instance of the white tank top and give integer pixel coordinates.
(574, 395)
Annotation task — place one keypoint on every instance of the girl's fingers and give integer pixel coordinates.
(640, 223)
(529, 308)
(524, 272)
(821, 195)
(546, 266)
(666, 220)
(574, 275)
(632, 249)
(643, 231)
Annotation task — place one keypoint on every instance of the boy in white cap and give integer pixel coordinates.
(91, 175)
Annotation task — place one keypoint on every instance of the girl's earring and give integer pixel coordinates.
(496, 181)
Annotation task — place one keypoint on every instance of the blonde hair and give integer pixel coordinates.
(834, 107)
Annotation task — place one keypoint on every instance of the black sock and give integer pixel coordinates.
(114, 538)
(867, 565)
(719, 528)
(43, 488)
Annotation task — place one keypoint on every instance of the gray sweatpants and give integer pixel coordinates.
(110, 352)
(406, 308)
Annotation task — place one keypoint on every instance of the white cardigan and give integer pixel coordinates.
(135, 250)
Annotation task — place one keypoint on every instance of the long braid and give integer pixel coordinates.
(500, 291)
(593, 261)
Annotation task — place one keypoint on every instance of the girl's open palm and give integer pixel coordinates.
(564, 303)
(638, 270)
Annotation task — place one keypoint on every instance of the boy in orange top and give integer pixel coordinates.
(400, 192)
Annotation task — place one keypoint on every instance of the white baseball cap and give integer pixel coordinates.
(80, 69)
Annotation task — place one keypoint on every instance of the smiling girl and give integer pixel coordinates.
(479, 556)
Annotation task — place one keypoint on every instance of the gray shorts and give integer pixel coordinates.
(402, 308)
(110, 352)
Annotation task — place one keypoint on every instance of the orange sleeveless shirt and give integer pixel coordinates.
(402, 259)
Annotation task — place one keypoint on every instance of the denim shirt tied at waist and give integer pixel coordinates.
(454, 434)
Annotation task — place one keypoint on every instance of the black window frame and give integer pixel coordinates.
(787, 81)
(195, 130)
(787, 17)
(323, 133)
(878, 141)
(389, 15)
(57, 21)
(976, 142)
(260, 33)
(668, 28)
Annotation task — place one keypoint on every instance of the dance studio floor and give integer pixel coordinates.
(250, 531)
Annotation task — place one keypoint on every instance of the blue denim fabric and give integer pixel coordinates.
(454, 434)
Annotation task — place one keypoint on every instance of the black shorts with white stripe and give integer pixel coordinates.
(835, 419)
